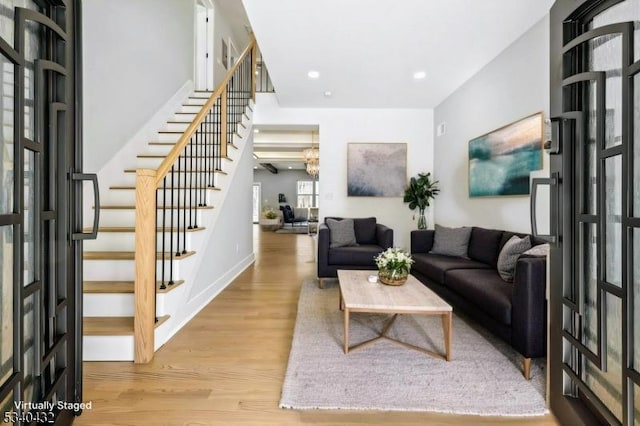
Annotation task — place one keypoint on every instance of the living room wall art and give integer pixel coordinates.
(500, 161)
(376, 169)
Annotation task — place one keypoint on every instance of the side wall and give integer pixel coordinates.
(514, 85)
(136, 56)
(338, 127)
(285, 182)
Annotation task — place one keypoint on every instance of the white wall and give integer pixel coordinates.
(223, 31)
(136, 55)
(514, 85)
(285, 182)
(337, 127)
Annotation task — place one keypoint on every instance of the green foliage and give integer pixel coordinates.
(269, 213)
(420, 191)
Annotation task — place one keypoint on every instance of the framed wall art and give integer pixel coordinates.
(501, 160)
(376, 169)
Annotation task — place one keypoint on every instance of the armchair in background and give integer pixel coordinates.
(371, 238)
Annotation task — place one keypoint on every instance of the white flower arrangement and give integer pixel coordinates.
(394, 259)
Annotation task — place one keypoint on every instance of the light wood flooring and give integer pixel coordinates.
(227, 365)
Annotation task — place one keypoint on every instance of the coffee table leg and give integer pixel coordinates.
(446, 328)
(346, 330)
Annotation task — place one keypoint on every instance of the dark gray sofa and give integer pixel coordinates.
(516, 312)
(372, 238)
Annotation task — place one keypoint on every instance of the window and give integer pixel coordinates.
(307, 193)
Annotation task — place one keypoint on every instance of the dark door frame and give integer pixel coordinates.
(566, 22)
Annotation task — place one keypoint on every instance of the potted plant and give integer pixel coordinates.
(393, 266)
(420, 191)
(270, 220)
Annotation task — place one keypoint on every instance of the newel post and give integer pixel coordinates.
(145, 266)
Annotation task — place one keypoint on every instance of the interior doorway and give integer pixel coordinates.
(257, 201)
(204, 45)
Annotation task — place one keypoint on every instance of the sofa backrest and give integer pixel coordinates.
(364, 228)
(485, 245)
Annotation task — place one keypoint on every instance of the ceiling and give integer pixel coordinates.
(282, 146)
(367, 52)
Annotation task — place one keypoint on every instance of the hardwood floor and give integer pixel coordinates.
(227, 365)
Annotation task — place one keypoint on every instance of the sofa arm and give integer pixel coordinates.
(529, 307)
(422, 240)
(384, 236)
(324, 239)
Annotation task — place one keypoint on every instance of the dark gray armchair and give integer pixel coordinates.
(371, 237)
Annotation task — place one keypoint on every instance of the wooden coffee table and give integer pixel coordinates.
(357, 294)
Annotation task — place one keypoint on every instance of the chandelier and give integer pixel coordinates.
(312, 158)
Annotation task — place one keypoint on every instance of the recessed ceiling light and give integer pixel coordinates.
(290, 167)
(255, 167)
(256, 130)
(327, 94)
(419, 75)
(313, 74)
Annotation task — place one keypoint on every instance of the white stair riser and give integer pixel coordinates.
(125, 241)
(107, 305)
(107, 348)
(184, 117)
(116, 304)
(195, 150)
(128, 196)
(195, 101)
(124, 270)
(113, 217)
(193, 109)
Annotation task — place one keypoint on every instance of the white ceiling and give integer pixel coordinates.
(367, 51)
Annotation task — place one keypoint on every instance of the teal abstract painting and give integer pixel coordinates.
(500, 161)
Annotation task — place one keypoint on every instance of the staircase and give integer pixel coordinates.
(196, 148)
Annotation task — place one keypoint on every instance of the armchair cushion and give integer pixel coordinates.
(361, 255)
(365, 229)
(342, 233)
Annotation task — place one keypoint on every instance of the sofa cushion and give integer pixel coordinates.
(506, 236)
(485, 289)
(365, 229)
(342, 233)
(451, 241)
(361, 255)
(509, 256)
(483, 245)
(434, 266)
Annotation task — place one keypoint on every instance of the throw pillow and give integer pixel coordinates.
(539, 250)
(342, 233)
(509, 256)
(451, 241)
(365, 229)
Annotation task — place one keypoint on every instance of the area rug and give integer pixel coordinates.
(293, 230)
(483, 378)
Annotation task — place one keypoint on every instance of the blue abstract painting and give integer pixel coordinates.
(500, 161)
(376, 169)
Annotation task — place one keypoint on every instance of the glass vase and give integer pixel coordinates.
(422, 220)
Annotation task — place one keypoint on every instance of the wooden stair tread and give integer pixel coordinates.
(129, 255)
(124, 229)
(112, 326)
(126, 187)
(164, 156)
(221, 172)
(110, 287)
(129, 207)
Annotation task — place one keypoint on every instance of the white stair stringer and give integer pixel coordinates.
(120, 347)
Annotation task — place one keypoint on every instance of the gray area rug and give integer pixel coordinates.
(483, 378)
(293, 230)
